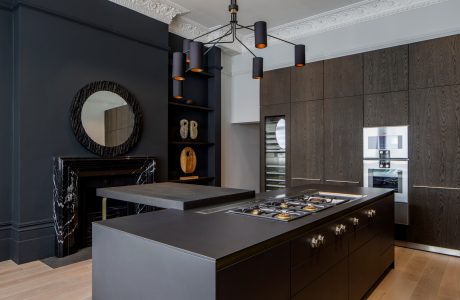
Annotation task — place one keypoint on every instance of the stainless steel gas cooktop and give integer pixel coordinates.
(288, 208)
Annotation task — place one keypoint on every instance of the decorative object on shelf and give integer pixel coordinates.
(184, 129)
(193, 130)
(192, 52)
(106, 118)
(188, 162)
(189, 101)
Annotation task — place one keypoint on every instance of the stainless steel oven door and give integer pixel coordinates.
(392, 138)
(395, 177)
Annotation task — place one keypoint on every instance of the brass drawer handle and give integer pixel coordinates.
(435, 187)
(340, 229)
(342, 181)
(355, 221)
(317, 241)
(306, 179)
(371, 213)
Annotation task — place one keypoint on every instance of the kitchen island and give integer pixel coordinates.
(208, 253)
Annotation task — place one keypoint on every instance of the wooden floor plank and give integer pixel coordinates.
(417, 275)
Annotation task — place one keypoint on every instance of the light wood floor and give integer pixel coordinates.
(418, 275)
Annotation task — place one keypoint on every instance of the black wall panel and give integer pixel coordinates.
(59, 48)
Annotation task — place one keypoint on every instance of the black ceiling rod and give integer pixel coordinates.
(214, 44)
(207, 33)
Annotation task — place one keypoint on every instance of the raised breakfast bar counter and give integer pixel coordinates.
(208, 253)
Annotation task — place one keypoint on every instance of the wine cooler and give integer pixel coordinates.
(275, 153)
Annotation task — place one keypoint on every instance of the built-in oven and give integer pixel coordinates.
(385, 152)
(392, 175)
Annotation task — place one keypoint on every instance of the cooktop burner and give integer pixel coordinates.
(291, 207)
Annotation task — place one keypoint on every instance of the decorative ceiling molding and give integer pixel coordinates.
(345, 16)
(161, 10)
(190, 29)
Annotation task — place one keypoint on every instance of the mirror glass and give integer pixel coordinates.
(280, 133)
(107, 119)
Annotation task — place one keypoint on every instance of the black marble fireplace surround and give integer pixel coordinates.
(75, 181)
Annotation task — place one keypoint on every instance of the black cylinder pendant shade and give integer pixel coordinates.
(257, 68)
(178, 67)
(186, 49)
(178, 89)
(196, 57)
(260, 29)
(299, 55)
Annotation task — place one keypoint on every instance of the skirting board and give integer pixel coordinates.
(427, 248)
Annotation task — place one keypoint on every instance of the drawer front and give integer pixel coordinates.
(366, 265)
(368, 221)
(309, 260)
(332, 285)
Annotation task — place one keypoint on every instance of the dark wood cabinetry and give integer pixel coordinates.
(435, 136)
(307, 82)
(434, 217)
(343, 140)
(388, 109)
(435, 62)
(265, 276)
(275, 87)
(343, 76)
(386, 70)
(307, 133)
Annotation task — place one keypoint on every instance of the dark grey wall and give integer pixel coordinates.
(61, 46)
(5, 130)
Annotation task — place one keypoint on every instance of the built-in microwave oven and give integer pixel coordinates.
(392, 139)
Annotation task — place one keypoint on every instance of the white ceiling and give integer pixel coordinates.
(211, 13)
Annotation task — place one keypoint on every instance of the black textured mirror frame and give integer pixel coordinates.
(299, 55)
(178, 66)
(77, 125)
(260, 35)
(257, 68)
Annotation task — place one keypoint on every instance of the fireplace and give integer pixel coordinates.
(75, 204)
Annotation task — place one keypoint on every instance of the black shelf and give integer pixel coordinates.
(201, 179)
(190, 106)
(198, 143)
(200, 74)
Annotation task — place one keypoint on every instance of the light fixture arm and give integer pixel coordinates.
(244, 45)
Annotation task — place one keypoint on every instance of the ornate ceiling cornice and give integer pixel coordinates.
(345, 16)
(161, 10)
(172, 13)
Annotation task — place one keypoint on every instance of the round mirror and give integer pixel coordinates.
(106, 118)
(280, 133)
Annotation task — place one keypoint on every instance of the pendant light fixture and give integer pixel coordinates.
(178, 70)
(178, 89)
(194, 50)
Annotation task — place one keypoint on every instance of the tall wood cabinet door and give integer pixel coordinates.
(343, 76)
(267, 112)
(307, 82)
(343, 140)
(435, 62)
(435, 217)
(275, 87)
(388, 109)
(307, 151)
(435, 136)
(386, 70)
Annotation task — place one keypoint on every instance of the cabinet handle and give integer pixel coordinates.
(317, 241)
(309, 179)
(435, 187)
(371, 213)
(340, 229)
(355, 221)
(341, 181)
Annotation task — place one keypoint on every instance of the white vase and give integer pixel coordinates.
(193, 130)
(184, 129)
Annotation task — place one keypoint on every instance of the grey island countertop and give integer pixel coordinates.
(225, 237)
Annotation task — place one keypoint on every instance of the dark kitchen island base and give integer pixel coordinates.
(174, 254)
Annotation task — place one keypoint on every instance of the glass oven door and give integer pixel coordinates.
(395, 177)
